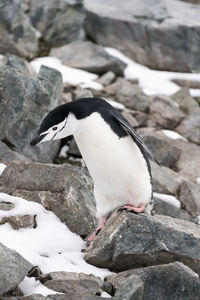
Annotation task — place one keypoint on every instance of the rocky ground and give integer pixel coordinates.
(151, 257)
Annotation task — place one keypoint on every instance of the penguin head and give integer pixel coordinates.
(59, 123)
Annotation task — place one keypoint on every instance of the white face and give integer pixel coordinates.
(61, 130)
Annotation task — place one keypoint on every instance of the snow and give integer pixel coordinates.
(198, 180)
(173, 135)
(31, 286)
(63, 151)
(115, 104)
(60, 253)
(2, 168)
(70, 75)
(169, 199)
(153, 81)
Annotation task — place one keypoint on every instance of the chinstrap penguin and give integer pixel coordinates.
(115, 155)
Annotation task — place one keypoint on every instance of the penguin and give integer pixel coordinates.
(115, 155)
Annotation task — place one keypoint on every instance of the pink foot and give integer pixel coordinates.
(101, 223)
(138, 209)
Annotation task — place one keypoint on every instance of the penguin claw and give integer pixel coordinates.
(134, 209)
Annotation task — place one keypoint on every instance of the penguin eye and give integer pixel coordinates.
(55, 128)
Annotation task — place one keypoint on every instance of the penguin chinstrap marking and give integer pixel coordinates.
(115, 155)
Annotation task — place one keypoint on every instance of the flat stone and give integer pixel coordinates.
(165, 113)
(130, 288)
(186, 83)
(186, 102)
(74, 285)
(129, 240)
(20, 221)
(64, 189)
(6, 205)
(13, 269)
(168, 281)
(95, 58)
(190, 197)
(190, 128)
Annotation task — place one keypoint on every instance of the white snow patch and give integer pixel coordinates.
(38, 34)
(198, 180)
(51, 245)
(2, 168)
(31, 286)
(106, 295)
(152, 81)
(115, 104)
(169, 199)
(70, 75)
(63, 151)
(173, 135)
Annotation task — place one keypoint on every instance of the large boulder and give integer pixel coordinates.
(59, 22)
(153, 32)
(17, 35)
(25, 101)
(88, 56)
(129, 240)
(65, 190)
(13, 269)
(190, 128)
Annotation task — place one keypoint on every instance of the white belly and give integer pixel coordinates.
(117, 167)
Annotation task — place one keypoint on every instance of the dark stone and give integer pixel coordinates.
(74, 285)
(187, 84)
(59, 22)
(190, 128)
(18, 37)
(95, 58)
(13, 268)
(129, 240)
(25, 101)
(190, 197)
(66, 190)
(129, 289)
(169, 281)
(153, 33)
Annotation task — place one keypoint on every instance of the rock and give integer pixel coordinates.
(129, 241)
(165, 113)
(30, 297)
(74, 285)
(107, 78)
(130, 118)
(130, 288)
(165, 152)
(18, 37)
(73, 149)
(168, 281)
(8, 154)
(190, 128)
(13, 268)
(20, 221)
(82, 93)
(25, 101)
(132, 96)
(66, 190)
(59, 22)
(165, 180)
(190, 197)
(161, 207)
(95, 58)
(151, 32)
(186, 83)
(6, 205)
(140, 117)
(186, 103)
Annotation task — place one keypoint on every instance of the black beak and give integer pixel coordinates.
(37, 139)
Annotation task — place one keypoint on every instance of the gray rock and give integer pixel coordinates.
(66, 190)
(73, 149)
(186, 102)
(165, 180)
(6, 205)
(107, 78)
(132, 96)
(190, 128)
(186, 83)
(168, 281)
(59, 22)
(151, 32)
(88, 56)
(74, 285)
(9, 154)
(18, 37)
(165, 152)
(129, 117)
(129, 240)
(20, 221)
(190, 197)
(161, 207)
(129, 289)
(165, 113)
(30, 297)
(13, 268)
(25, 101)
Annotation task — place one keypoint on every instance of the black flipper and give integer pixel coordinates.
(137, 139)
